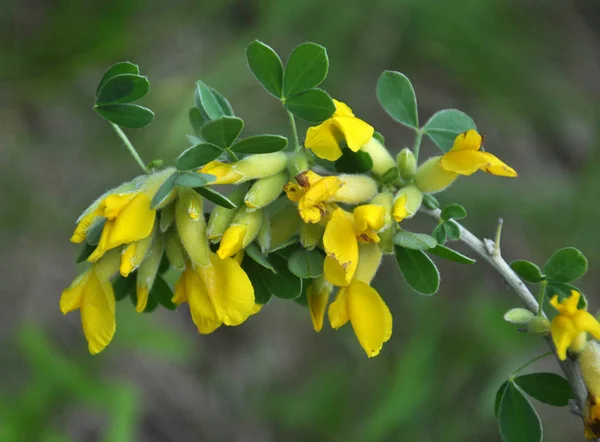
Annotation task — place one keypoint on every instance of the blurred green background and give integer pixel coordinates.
(527, 71)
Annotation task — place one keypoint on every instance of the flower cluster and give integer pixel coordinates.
(281, 202)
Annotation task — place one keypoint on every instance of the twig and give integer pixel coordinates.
(568, 366)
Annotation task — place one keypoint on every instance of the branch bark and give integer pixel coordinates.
(490, 251)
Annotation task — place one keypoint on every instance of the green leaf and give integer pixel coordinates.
(207, 101)
(444, 126)
(563, 290)
(353, 162)
(548, 388)
(439, 233)
(197, 156)
(306, 68)
(414, 241)
(452, 230)
(397, 96)
(124, 67)
(566, 265)
(85, 252)
(306, 263)
(499, 395)
(430, 201)
(314, 105)
(94, 231)
(517, 419)
(266, 66)
(164, 190)
(260, 144)
(124, 286)
(165, 265)
(123, 88)
(216, 197)
(527, 270)
(418, 270)
(131, 116)
(223, 102)
(254, 252)
(282, 284)
(222, 132)
(162, 293)
(197, 119)
(453, 211)
(261, 294)
(450, 255)
(194, 179)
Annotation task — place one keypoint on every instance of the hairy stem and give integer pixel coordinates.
(486, 250)
(129, 147)
(294, 132)
(417, 145)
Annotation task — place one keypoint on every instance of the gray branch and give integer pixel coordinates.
(490, 251)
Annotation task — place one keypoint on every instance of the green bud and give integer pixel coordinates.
(297, 163)
(252, 219)
(266, 190)
(431, 178)
(518, 316)
(174, 250)
(430, 202)
(221, 217)
(310, 235)
(167, 215)
(538, 325)
(407, 202)
(147, 272)
(261, 165)
(407, 163)
(386, 243)
(382, 160)
(108, 265)
(356, 189)
(191, 225)
(284, 224)
(264, 235)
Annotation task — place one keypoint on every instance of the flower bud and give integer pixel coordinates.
(261, 165)
(407, 164)
(264, 235)
(382, 160)
(284, 224)
(297, 163)
(538, 325)
(147, 273)
(311, 235)
(518, 316)
(242, 231)
(407, 202)
(432, 178)
(317, 296)
(191, 225)
(589, 366)
(221, 217)
(385, 199)
(174, 250)
(355, 189)
(134, 253)
(266, 190)
(167, 216)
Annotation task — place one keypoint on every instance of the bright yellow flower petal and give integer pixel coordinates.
(103, 243)
(134, 222)
(586, 322)
(225, 172)
(431, 177)
(370, 317)
(115, 203)
(70, 299)
(340, 244)
(338, 309)
(201, 307)
(322, 140)
(342, 109)
(369, 260)
(356, 132)
(464, 162)
(98, 313)
(142, 294)
(334, 272)
(563, 333)
(83, 225)
(497, 167)
(232, 241)
(317, 295)
(180, 293)
(469, 140)
(369, 216)
(400, 212)
(311, 207)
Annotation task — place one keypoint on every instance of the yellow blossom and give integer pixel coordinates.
(243, 230)
(568, 328)
(311, 191)
(466, 158)
(250, 168)
(407, 202)
(324, 140)
(317, 295)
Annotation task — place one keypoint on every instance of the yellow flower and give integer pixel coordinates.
(568, 328)
(250, 168)
(342, 235)
(317, 295)
(324, 140)
(92, 293)
(360, 304)
(243, 230)
(466, 158)
(407, 202)
(219, 293)
(311, 191)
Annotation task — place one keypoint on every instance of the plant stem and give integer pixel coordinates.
(541, 298)
(294, 132)
(417, 145)
(498, 236)
(531, 362)
(129, 147)
(232, 155)
(486, 251)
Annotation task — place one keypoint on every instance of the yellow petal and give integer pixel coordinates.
(201, 306)
(112, 205)
(369, 216)
(98, 313)
(83, 225)
(229, 289)
(180, 293)
(570, 304)
(586, 322)
(142, 298)
(70, 299)
(469, 140)
(497, 167)
(322, 140)
(334, 272)
(310, 206)
(338, 309)
(370, 317)
(225, 172)
(103, 243)
(134, 222)
(467, 162)
(342, 109)
(369, 260)
(340, 245)
(317, 295)
(356, 132)
(232, 241)
(400, 212)
(563, 332)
